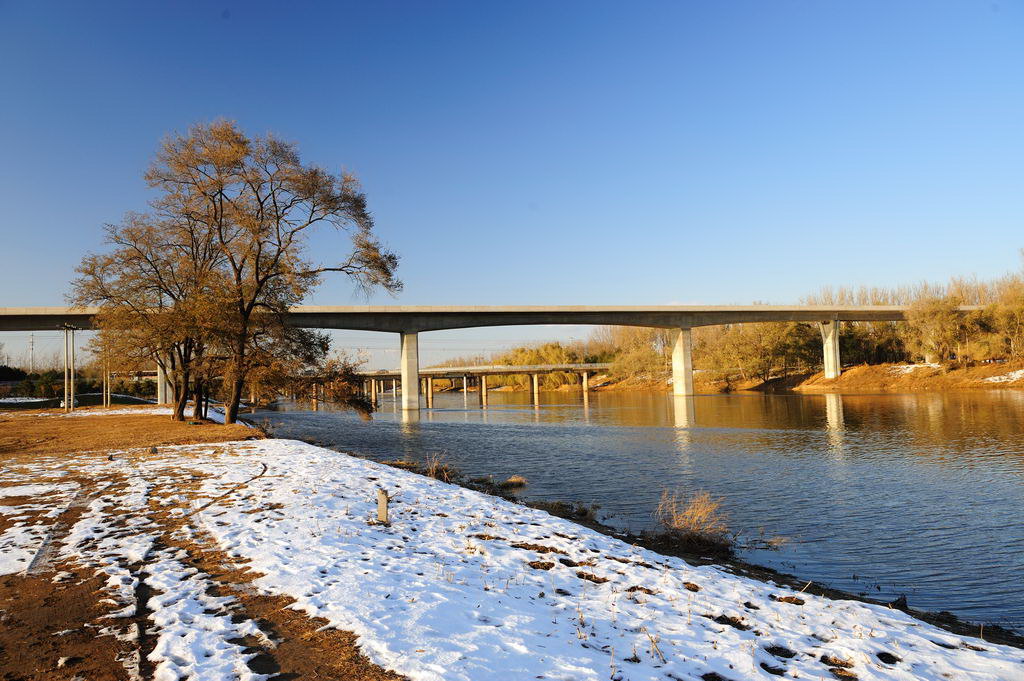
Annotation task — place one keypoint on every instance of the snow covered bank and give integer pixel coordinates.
(466, 586)
(1011, 377)
(908, 368)
(461, 585)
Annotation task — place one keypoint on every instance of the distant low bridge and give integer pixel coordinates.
(376, 381)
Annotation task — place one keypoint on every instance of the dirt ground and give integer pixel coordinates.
(889, 378)
(863, 378)
(56, 618)
(32, 432)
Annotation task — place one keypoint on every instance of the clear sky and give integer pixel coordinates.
(546, 152)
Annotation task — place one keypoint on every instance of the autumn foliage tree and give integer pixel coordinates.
(228, 234)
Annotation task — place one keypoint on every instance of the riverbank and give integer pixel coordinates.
(861, 378)
(273, 553)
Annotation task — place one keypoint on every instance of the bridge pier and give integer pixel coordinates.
(483, 390)
(410, 362)
(430, 392)
(682, 363)
(164, 387)
(535, 385)
(830, 348)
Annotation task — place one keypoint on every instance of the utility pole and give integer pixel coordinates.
(69, 367)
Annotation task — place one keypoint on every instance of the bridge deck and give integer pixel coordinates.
(411, 319)
(492, 370)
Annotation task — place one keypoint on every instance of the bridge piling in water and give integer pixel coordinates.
(830, 348)
(410, 371)
(682, 363)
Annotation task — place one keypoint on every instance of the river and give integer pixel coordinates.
(886, 495)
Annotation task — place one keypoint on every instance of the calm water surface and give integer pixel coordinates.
(921, 495)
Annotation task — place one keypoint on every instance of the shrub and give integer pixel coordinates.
(695, 521)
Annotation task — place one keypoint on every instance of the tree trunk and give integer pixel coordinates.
(234, 399)
(197, 391)
(181, 399)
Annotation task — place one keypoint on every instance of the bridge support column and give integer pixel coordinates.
(164, 388)
(830, 345)
(483, 390)
(410, 371)
(373, 391)
(682, 364)
(585, 381)
(535, 385)
(394, 390)
(430, 392)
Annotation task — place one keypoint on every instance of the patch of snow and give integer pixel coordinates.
(907, 368)
(30, 522)
(18, 544)
(1011, 377)
(27, 490)
(24, 400)
(148, 411)
(194, 629)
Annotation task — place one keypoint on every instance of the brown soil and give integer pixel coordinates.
(55, 624)
(26, 432)
(862, 378)
(882, 377)
(44, 623)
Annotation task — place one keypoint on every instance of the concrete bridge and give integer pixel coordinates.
(375, 381)
(410, 321)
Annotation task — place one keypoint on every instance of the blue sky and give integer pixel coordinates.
(543, 153)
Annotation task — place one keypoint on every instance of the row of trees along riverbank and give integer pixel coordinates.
(744, 354)
(200, 282)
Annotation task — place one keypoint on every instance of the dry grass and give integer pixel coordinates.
(575, 511)
(29, 433)
(695, 520)
(514, 482)
(439, 469)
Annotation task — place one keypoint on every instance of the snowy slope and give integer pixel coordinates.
(460, 585)
(447, 591)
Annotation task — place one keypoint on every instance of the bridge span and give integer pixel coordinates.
(410, 321)
(375, 381)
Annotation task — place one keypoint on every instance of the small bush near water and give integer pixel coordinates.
(514, 482)
(695, 522)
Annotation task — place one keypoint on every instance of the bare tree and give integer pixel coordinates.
(152, 291)
(258, 202)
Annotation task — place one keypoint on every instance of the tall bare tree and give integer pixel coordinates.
(259, 203)
(224, 255)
